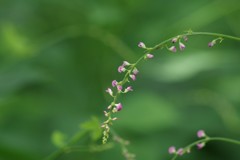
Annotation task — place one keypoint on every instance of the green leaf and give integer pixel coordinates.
(93, 126)
(58, 139)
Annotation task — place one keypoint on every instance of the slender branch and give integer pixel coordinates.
(146, 52)
(206, 140)
(191, 33)
(63, 149)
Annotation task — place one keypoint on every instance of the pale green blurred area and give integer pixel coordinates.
(57, 58)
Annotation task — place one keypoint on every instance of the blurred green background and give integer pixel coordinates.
(57, 57)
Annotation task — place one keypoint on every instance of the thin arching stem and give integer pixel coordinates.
(206, 140)
(79, 135)
(161, 45)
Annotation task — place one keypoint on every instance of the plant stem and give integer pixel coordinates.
(62, 150)
(206, 140)
(191, 33)
(156, 47)
(215, 34)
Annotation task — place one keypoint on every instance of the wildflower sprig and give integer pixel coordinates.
(204, 139)
(131, 71)
(123, 144)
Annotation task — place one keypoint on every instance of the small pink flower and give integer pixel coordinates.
(135, 71)
(200, 145)
(133, 77)
(149, 56)
(211, 44)
(121, 69)
(181, 46)
(201, 134)
(174, 40)
(180, 151)
(172, 150)
(129, 88)
(118, 106)
(114, 83)
(141, 45)
(109, 90)
(173, 49)
(119, 87)
(125, 63)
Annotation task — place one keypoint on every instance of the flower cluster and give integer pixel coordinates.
(130, 70)
(180, 44)
(200, 144)
(118, 88)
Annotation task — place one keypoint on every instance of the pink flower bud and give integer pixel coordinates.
(141, 45)
(211, 44)
(118, 106)
(171, 150)
(180, 151)
(109, 90)
(201, 134)
(200, 145)
(133, 77)
(125, 63)
(129, 88)
(172, 49)
(174, 40)
(114, 83)
(181, 46)
(121, 69)
(149, 56)
(135, 71)
(119, 87)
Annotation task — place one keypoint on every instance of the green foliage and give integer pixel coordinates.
(58, 57)
(93, 127)
(59, 139)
